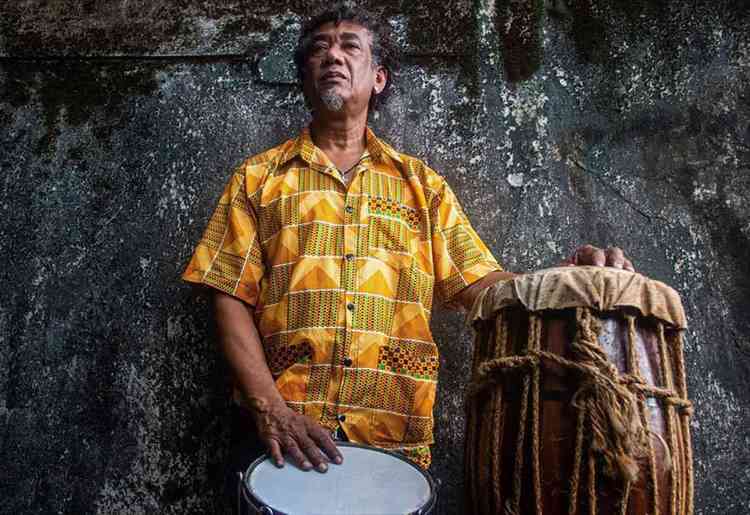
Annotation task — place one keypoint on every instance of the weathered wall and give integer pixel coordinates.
(121, 121)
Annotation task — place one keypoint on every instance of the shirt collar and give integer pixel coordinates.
(379, 149)
(304, 147)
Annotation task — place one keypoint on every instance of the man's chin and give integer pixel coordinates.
(332, 100)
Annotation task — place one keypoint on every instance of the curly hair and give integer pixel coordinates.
(384, 49)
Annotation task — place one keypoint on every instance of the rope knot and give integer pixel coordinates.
(490, 372)
(617, 432)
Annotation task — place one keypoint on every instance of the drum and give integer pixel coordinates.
(578, 401)
(369, 481)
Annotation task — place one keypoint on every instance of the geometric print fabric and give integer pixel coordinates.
(342, 281)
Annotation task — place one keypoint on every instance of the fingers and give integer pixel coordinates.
(276, 455)
(599, 257)
(615, 257)
(313, 453)
(294, 452)
(589, 255)
(326, 443)
(300, 439)
(594, 256)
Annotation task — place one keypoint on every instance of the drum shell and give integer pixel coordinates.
(496, 418)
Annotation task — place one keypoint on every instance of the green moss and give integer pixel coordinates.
(76, 91)
(519, 25)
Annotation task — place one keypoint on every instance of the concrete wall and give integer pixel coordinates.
(597, 121)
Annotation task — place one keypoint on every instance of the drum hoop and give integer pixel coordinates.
(253, 500)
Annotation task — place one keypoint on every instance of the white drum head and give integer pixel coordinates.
(368, 482)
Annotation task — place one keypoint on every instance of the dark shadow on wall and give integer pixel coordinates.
(72, 91)
(520, 24)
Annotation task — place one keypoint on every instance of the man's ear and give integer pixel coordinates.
(381, 79)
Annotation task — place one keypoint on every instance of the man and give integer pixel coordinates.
(325, 253)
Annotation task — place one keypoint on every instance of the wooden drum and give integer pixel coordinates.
(578, 402)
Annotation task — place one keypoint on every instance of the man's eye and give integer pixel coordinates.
(319, 47)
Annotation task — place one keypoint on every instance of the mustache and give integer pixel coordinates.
(330, 74)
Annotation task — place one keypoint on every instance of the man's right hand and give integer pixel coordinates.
(284, 431)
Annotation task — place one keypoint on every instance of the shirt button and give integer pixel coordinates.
(350, 306)
(341, 418)
(349, 209)
(348, 362)
(349, 257)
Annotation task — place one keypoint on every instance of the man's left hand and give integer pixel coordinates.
(594, 256)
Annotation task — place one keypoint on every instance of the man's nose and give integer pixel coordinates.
(333, 55)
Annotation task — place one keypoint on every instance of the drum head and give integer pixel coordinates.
(369, 481)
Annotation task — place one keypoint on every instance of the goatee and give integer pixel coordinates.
(332, 100)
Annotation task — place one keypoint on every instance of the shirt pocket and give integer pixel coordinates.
(393, 231)
(290, 366)
(282, 356)
(406, 388)
(418, 360)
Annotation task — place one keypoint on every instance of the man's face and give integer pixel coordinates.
(339, 72)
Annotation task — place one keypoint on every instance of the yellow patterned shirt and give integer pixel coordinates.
(342, 281)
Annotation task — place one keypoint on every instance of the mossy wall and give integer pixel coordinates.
(557, 123)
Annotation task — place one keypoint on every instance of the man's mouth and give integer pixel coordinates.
(332, 76)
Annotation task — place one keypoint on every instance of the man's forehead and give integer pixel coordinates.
(344, 30)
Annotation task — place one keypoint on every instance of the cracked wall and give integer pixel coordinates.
(560, 123)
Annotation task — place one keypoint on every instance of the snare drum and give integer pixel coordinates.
(369, 481)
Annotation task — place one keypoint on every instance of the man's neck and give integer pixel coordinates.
(343, 141)
(339, 137)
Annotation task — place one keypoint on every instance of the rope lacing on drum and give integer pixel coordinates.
(609, 397)
(611, 405)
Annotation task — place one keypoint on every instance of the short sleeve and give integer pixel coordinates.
(460, 256)
(228, 256)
